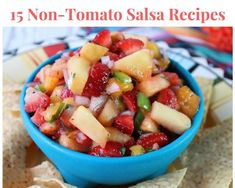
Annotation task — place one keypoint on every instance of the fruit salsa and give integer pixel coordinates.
(112, 97)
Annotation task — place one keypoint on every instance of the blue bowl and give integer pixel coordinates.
(85, 170)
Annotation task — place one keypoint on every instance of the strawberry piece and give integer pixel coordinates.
(168, 97)
(129, 46)
(35, 99)
(173, 78)
(97, 80)
(83, 139)
(111, 149)
(129, 98)
(113, 56)
(65, 116)
(38, 118)
(49, 129)
(124, 123)
(66, 93)
(103, 38)
(148, 140)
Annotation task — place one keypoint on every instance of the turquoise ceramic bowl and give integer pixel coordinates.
(85, 170)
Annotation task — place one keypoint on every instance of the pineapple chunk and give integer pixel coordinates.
(117, 136)
(116, 36)
(137, 65)
(84, 120)
(169, 118)
(93, 52)
(153, 85)
(188, 101)
(55, 96)
(148, 125)
(152, 46)
(144, 39)
(109, 112)
(78, 70)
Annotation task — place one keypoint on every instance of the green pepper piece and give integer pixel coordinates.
(143, 102)
(139, 117)
(122, 77)
(59, 110)
(40, 87)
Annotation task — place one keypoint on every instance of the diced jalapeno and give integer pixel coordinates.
(143, 102)
(137, 150)
(40, 87)
(123, 150)
(53, 111)
(139, 117)
(122, 77)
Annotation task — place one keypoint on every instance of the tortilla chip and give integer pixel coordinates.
(170, 180)
(206, 86)
(14, 87)
(209, 159)
(52, 183)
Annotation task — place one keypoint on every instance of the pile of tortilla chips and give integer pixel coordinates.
(206, 163)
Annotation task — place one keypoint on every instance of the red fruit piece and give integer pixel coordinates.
(129, 98)
(168, 97)
(65, 116)
(35, 99)
(124, 123)
(83, 139)
(103, 38)
(173, 78)
(113, 56)
(148, 140)
(97, 80)
(66, 93)
(38, 118)
(129, 46)
(111, 149)
(49, 129)
(128, 144)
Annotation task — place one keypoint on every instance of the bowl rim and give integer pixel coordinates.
(75, 154)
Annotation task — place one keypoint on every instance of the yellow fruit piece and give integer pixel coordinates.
(50, 83)
(55, 96)
(137, 150)
(108, 113)
(153, 85)
(69, 101)
(153, 46)
(116, 36)
(188, 101)
(137, 65)
(149, 125)
(93, 52)
(125, 86)
(84, 120)
(110, 83)
(78, 70)
(51, 111)
(117, 136)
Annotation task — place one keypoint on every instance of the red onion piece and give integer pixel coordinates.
(114, 87)
(128, 112)
(66, 76)
(97, 103)
(80, 100)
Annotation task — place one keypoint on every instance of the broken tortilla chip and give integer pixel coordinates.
(170, 180)
(209, 159)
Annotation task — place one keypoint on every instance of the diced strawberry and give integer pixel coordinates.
(49, 129)
(65, 116)
(129, 46)
(173, 78)
(168, 97)
(103, 38)
(97, 80)
(128, 144)
(38, 118)
(124, 123)
(35, 99)
(130, 100)
(111, 149)
(148, 140)
(113, 56)
(83, 139)
(66, 93)
(71, 54)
